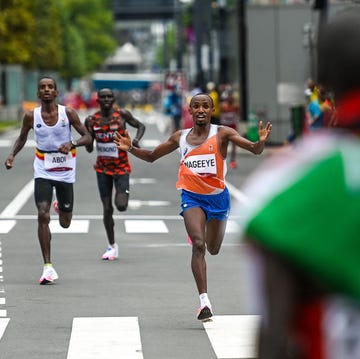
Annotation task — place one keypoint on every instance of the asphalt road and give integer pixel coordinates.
(151, 283)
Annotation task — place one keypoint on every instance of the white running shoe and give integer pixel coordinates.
(48, 275)
(112, 252)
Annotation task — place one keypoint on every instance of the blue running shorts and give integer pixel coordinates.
(214, 205)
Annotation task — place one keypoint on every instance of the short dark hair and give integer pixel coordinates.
(47, 77)
(202, 94)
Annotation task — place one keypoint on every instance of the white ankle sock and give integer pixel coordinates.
(204, 300)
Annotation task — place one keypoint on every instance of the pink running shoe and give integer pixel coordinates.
(189, 240)
(55, 206)
(111, 253)
(48, 276)
(233, 165)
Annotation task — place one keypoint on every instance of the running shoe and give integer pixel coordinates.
(55, 206)
(48, 275)
(233, 164)
(111, 253)
(205, 313)
(189, 240)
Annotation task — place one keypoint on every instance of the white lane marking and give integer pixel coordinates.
(233, 336)
(135, 226)
(5, 143)
(237, 194)
(6, 225)
(3, 324)
(3, 312)
(76, 226)
(9, 143)
(142, 180)
(135, 204)
(105, 338)
(232, 227)
(150, 143)
(18, 202)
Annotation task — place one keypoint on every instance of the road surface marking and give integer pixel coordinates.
(133, 224)
(76, 226)
(136, 204)
(6, 225)
(105, 338)
(233, 336)
(138, 226)
(3, 312)
(3, 324)
(18, 202)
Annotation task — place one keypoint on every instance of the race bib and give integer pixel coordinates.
(108, 149)
(57, 161)
(202, 164)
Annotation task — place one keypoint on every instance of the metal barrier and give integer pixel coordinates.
(10, 113)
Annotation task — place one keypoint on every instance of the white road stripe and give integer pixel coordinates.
(105, 338)
(145, 226)
(6, 225)
(18, 202)
(9, 143)
(237, 194)
(233, 336)
(3, 324)
(76, 226)
(135, 204)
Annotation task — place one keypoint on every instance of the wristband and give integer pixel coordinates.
(130, 148)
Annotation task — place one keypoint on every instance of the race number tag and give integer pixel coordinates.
(57, 161)
(202, 164)
(108, 149)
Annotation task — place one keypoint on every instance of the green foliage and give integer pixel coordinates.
(94, 22)
(73, 37)
(16, 24)
(46, 42)
(75, 59)
(167, 51)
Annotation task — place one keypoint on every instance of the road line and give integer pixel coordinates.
(6, 225)
(136, 204)
(3, 324)
(117, 217)
(233, 336)
(18, 202)
(133, 224)
(105, 338)
(76, 226)
(138, 226)
(237, 194)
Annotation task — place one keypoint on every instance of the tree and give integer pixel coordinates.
(16, 24)
(94, 22)
(46, 47)
(73, 37)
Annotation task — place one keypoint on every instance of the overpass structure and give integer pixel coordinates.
(144, 9)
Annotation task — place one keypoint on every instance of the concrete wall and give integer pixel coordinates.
(281, 57)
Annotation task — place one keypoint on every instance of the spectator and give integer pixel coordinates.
(303, 221)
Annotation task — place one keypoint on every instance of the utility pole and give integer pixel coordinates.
(179, 34)
(322, 7)
(242, 30)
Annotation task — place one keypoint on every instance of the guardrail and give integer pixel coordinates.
(10, 113)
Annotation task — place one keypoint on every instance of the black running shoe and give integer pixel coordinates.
(204, 313)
